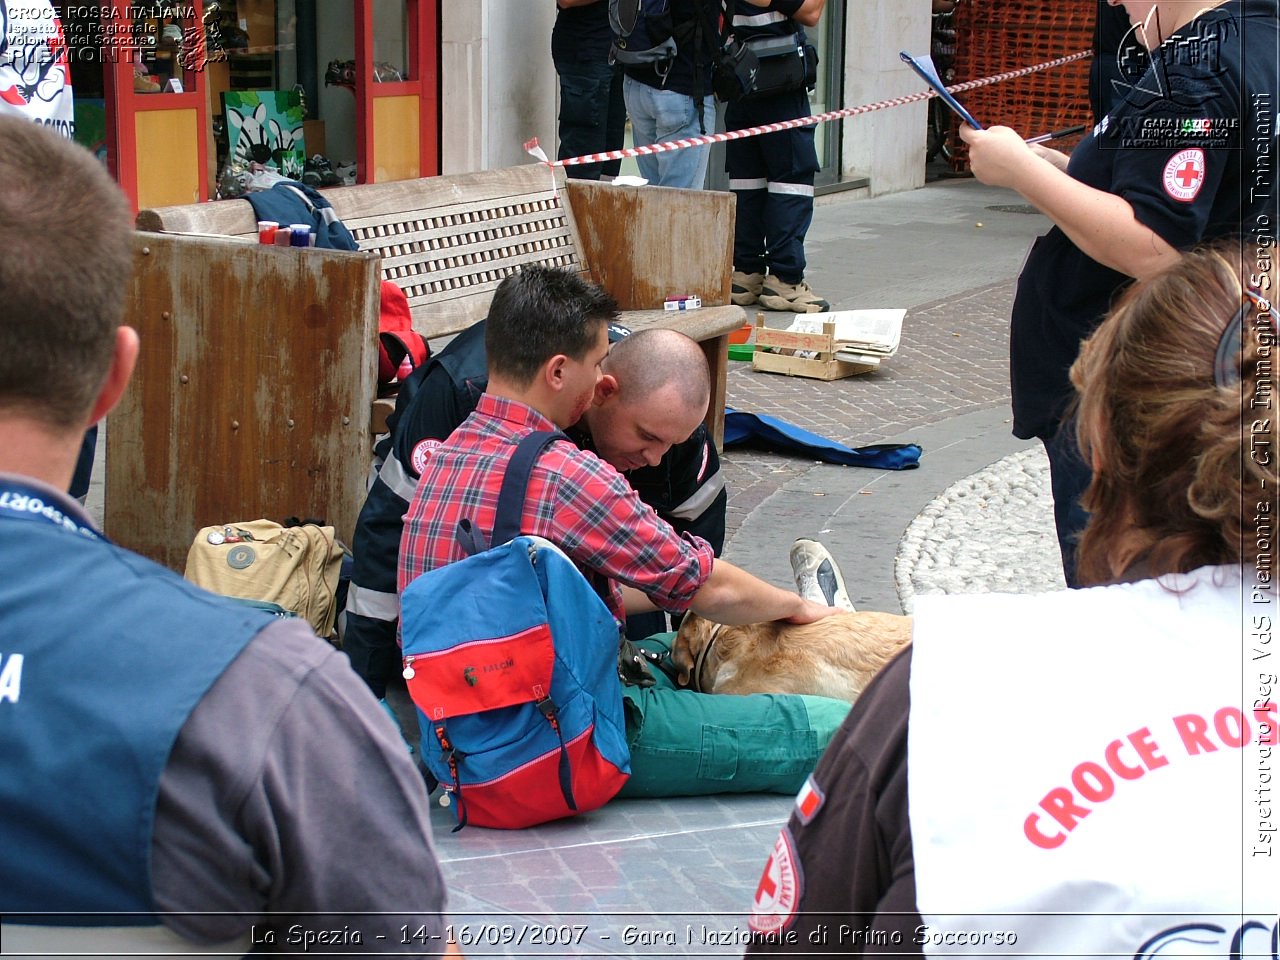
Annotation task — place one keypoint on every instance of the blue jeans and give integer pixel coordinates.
(661, 115)
(593, 117)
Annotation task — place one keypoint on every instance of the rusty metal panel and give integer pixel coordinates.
(253, 390)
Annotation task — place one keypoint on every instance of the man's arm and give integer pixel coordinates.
(809, 12)
(804, 12)
(733, 596)
(602, 524)
(1101, 224)
(289, 792)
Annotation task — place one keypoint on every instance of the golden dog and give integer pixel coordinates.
(834, 657)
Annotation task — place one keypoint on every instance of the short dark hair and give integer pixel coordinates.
(64, 229)
(540, 312)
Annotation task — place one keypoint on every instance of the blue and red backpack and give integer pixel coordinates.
(511, 659)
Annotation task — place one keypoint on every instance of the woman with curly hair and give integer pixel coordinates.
(1174, 164)
(1091, 770)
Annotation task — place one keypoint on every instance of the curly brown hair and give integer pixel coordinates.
(1185, 471)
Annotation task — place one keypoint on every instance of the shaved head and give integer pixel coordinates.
(650, 360)
(654, 394)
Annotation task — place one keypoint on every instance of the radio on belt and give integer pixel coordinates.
(682, 303)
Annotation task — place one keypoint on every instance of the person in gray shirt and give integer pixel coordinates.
(183, 773)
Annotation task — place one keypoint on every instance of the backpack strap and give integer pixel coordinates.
(511, 495)
(515, 485)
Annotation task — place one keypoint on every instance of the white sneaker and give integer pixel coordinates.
(817, 574)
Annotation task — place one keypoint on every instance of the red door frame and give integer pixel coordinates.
(424, 83)
(124, 103)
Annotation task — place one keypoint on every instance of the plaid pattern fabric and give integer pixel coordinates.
(575, 500)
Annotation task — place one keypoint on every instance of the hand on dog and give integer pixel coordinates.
(810, 612)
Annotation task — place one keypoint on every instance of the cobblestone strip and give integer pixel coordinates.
(990, 532)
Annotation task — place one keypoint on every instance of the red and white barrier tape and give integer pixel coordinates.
(532, 146)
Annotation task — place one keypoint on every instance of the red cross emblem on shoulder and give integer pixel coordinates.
(1184, 174)
(779, 890)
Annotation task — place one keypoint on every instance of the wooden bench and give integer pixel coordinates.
(255, 391)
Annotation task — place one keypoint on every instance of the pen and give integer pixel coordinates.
(1056, 134)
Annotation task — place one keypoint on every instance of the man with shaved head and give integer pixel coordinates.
(653, 396)
(549, 368)
(645, 421)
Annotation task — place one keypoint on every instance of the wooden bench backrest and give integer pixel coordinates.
(447, 241)
(254, 387)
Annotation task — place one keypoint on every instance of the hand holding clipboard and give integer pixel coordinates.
(924, 66)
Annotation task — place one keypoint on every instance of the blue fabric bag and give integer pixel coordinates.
(777, 434)
(292, 202)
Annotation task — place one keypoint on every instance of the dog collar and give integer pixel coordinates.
(701, 659)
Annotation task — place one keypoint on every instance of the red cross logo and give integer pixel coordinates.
(778, 892)
(768, 888)
(1184, 174)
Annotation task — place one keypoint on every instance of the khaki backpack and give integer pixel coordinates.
(295, 567)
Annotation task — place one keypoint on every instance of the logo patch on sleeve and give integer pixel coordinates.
(421, 453)
(779, 890)
(809, 801)
(1184, 174)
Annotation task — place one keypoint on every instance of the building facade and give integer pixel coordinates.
(190, 100)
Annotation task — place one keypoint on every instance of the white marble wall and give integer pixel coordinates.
(498, 87)
(887, 145)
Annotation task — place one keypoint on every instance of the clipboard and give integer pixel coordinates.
(924, 67)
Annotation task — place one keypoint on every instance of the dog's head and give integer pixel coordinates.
(692, 637)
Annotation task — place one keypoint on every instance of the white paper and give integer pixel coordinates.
(865, 331)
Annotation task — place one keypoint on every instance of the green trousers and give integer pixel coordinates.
(686, 744)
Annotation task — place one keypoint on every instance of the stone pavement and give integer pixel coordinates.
(949, 254)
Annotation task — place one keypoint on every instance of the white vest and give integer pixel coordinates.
(1092, 772)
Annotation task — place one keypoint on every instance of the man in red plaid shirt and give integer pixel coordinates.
(545, 339)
